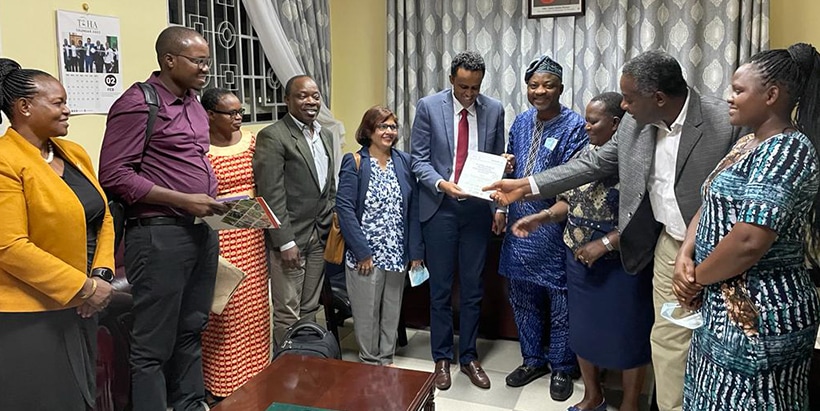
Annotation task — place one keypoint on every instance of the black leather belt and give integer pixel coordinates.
(161, 220)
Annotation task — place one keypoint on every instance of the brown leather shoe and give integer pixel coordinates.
(442, 378)
(477, 375)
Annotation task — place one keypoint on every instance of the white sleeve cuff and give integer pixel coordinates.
(287, 246)
(533, 186)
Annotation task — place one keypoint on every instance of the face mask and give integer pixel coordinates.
(418, 275)
(692, 321)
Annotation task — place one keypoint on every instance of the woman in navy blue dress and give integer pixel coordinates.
(610, 310)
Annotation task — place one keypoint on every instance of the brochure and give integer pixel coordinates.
(243, 212)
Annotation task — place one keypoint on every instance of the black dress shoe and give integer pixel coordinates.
(561, 386)
(524, 375)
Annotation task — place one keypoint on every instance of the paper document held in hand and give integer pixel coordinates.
(480, 170)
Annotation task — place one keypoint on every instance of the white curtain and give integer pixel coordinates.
(285, 63)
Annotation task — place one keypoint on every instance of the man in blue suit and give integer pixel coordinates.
(455, 227)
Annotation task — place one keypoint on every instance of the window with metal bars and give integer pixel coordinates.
(238, 62)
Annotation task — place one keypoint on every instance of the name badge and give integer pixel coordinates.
(550, 143)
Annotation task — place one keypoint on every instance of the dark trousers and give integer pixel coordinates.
(172, 270)
(456, 234)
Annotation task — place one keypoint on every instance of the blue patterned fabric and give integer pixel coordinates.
(539, 258)
(537, 309)
(382, 220)
(739, 362)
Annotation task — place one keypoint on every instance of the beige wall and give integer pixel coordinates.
(29, 35)
(794, 21)
(358, 47)
(359, 69)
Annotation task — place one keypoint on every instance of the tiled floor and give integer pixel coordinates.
(498, 357)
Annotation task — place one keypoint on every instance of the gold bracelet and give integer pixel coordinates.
(90, 293)
(549, 213)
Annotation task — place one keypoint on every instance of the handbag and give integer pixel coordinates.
(335, 245)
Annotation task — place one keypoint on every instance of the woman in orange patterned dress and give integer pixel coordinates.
(236, 345)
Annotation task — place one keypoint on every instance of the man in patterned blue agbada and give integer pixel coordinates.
(546, 135)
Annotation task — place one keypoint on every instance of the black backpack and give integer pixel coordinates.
(308, 338)
(116, 206)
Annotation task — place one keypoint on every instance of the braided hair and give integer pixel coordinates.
(16, 83)
(796, 70)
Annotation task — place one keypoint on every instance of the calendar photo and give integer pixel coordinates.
(89, 60)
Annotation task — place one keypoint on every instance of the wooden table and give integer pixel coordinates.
(333, 384)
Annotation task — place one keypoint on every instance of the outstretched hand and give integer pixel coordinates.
(528, 224)
(508, 191)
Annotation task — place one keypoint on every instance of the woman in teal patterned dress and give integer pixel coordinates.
(759, 306)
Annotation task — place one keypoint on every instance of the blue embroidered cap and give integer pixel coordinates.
(543, 64)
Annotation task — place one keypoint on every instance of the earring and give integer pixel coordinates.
(26, 114)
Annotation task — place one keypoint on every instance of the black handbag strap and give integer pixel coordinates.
(152, 100)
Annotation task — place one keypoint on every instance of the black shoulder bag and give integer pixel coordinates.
(115, 204)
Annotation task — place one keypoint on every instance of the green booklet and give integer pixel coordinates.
(278, 406)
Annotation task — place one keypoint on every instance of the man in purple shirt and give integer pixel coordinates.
(170, 256)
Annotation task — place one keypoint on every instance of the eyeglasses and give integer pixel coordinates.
(232, 113)
(385, 127)
(201, 62)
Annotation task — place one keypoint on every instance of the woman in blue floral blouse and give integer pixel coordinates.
(610, 310)
(377, 205)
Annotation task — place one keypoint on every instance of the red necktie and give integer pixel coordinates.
(463, 143)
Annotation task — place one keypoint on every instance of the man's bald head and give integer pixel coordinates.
(174, 39)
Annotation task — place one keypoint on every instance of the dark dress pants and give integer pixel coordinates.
(456, 234)
(172, 270)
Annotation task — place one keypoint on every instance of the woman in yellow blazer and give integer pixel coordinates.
(56, 250)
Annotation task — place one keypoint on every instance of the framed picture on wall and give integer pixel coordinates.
(537, 9)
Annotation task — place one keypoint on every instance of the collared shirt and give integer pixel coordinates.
(472, 135)
(317, 149)
(661, 182)
(176, 157)
(472, 127)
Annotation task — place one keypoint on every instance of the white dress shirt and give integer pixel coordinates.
(472, 135)
(661, 183)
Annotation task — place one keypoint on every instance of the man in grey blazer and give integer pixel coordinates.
(293, 168)
(455, 227)
(663, 151)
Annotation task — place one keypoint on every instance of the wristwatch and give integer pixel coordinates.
(607, 244)
(103, 273)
